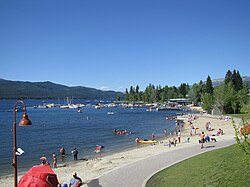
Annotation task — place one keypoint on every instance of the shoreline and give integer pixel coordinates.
(99, 166)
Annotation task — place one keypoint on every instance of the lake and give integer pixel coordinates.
(53, 128)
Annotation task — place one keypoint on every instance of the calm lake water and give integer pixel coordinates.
(53, 128)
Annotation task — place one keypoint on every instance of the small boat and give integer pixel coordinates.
(145, 141)
(64, 106)
(72, 106)
(97, 107)
(110, 113)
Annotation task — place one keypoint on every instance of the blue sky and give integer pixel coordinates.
(113, 44)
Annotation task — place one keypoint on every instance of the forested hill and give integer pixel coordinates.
(49, 90)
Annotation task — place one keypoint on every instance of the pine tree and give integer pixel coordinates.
(209, 86)
(137, 95)
(228, 77)
(126, 95)
(132, 93)
(183, 90)
(239, 82)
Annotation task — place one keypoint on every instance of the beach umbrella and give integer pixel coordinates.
(39, 176)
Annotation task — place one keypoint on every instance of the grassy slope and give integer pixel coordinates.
(222, 167)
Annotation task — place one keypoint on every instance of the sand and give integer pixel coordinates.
(94, 168)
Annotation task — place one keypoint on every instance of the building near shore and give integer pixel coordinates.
(180, 101)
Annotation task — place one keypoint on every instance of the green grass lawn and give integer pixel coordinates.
(223, 167)
(246, 117)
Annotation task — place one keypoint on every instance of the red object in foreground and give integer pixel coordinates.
(39, 176)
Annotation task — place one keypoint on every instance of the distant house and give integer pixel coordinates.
(180, 101)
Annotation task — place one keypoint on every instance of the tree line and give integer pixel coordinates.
(229, 97)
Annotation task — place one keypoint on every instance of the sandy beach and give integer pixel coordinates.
(93, 169)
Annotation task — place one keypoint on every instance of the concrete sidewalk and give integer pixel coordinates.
(136, 174)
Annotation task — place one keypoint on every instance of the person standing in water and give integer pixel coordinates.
(75, 153)
(54, 160)
(62, 151)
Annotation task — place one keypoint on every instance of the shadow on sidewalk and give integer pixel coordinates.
(210, 146)
(94, 183)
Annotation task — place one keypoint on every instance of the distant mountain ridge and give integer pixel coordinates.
(218, 82)
(48, 90)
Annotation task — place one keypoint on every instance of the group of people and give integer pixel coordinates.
(74, 152)
(206, 138)
(172, 142)
(120, 132)
(75, 181)
(44, 160)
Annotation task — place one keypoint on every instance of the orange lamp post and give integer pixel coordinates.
(24, 122)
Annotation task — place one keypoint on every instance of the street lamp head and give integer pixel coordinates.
(25, 120)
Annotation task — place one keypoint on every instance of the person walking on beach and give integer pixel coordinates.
(75, 181)
(202, 139)
(75, 153)
(54, 160)
(179, 136)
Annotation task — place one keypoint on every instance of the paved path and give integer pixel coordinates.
(136, 174)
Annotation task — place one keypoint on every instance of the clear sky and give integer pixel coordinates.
(115, 44)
